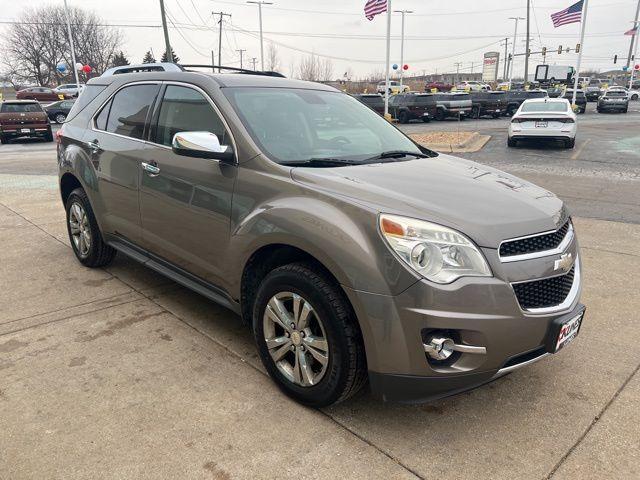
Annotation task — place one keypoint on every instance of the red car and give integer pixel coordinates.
(440, 86)
(42, 94)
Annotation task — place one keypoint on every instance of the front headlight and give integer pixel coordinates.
(438, 253)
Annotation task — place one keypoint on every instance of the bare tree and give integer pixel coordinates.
(38, 42)
(272, 63)
(315, 69)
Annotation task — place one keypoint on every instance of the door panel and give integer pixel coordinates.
(116, 148)
(186, 206)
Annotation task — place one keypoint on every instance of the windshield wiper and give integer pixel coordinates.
(396, 154)
(322, 162)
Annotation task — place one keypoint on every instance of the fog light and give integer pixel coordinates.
(439, 348)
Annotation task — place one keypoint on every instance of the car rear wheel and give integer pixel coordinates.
(404, 117)
(511, 142)
(307, 336)
(3, 139)
(475, 112)
(440, 114)
(84, 233)
(511, 110)
(60, 118)
(570, 143)
(49, 136)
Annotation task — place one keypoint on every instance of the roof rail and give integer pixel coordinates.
(234, 69)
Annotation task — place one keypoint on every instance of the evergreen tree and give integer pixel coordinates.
(148, 57)
(176, 59)
(119, 60)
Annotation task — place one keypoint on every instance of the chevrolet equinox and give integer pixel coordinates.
(354, 253)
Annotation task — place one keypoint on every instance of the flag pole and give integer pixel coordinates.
(577, 73)
(636, 25)
(386, 93)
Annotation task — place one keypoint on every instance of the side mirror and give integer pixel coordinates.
(201, 145)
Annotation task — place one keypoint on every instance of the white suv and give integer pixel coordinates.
(71, 89)
(473, 86)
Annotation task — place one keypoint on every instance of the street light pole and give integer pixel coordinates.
(167, 45)
(513, 50)
(403, 12)
(526, 52)
(506, 53)
(634, 38)
(260, 3)
(73, 50)
(635, 55)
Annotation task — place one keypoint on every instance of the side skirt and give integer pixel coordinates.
(173, 272)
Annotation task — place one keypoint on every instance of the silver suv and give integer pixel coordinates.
(352, 252)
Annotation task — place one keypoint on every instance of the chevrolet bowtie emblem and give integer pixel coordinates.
(565, 262)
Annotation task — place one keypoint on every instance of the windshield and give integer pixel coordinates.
(544, 107)
(20, 108)
(294, 125)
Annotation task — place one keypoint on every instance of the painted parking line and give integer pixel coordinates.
(577, 153)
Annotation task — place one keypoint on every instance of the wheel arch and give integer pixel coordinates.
(68, 183)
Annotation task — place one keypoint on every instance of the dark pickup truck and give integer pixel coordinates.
(452, 104)
(492, 103)
(23, 118)
(515, 98)
(581, 99)
(413, 106)
(374, 101)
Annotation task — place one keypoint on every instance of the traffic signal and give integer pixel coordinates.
(577, 48)
(544, 51)
(559, 49)
(615, 59)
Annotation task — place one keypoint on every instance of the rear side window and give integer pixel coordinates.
(184, 109)
(86, 96)
(129, 109)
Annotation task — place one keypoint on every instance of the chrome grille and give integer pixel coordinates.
(534, 243)
(544, 293)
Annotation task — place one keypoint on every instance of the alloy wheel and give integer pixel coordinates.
(80, 229)
(296, 339)
(60, 118)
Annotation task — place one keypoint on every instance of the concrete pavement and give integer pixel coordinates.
(120, 373)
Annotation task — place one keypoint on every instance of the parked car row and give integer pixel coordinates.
(46, 94)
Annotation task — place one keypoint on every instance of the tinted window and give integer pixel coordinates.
(20, 108)
(616, 93)
(545, 107)
(423, 99)
(187, 110)
(129, 110)
(101, 119)
(86, 96)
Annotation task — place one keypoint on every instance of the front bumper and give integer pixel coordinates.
(479, 311)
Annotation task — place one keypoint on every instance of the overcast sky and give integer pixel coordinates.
(439, 34)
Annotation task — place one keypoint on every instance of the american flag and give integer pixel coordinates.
(632, 32)
(572, 14)
(374, 7)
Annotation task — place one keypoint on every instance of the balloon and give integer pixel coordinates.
(79, 66)
(61, 67)
(86, 69)
(405, 67)
(395, 66)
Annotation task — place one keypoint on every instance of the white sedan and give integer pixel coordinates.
(544, 118)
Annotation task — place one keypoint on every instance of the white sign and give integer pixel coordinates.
(490, 66)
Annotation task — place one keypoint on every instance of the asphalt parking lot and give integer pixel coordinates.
(120, 373)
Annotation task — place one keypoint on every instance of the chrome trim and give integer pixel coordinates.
(568, 301)
(511, 368)
(438, 347)
(566, 241)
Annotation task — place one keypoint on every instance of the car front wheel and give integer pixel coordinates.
(307, 336)
(60, 118)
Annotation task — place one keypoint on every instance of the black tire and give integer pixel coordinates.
(582, 110)
(99, 253)
(440, 114)
(60, 117)
(404, 117)
(625, 110)
(475, 112)
(346, 371)
(511, 110)
(49, 136)
(570, 143)
(426, 119)
(496, 115)
(511, 142)
(3, 140)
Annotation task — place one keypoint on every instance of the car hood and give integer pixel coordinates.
(484, 203)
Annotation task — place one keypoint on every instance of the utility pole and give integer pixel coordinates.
(526, 52)
(635, 56)
(260, 4)
(213, 61)
(242, 50)
(513, 50)
(633, 37)
(457, 64)
(387, 63)
(472, 65)
(403, 12)
(222, 15)
(506, 53)
(73, 50)
(254, 60)
(167, 45)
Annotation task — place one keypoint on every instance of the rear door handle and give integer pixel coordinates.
(94, 146)
(151, 169)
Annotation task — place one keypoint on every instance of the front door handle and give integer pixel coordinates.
(151, 169)
(94, 146)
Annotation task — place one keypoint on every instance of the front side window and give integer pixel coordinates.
(184, 109)
(129, 110)
(293, 125)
